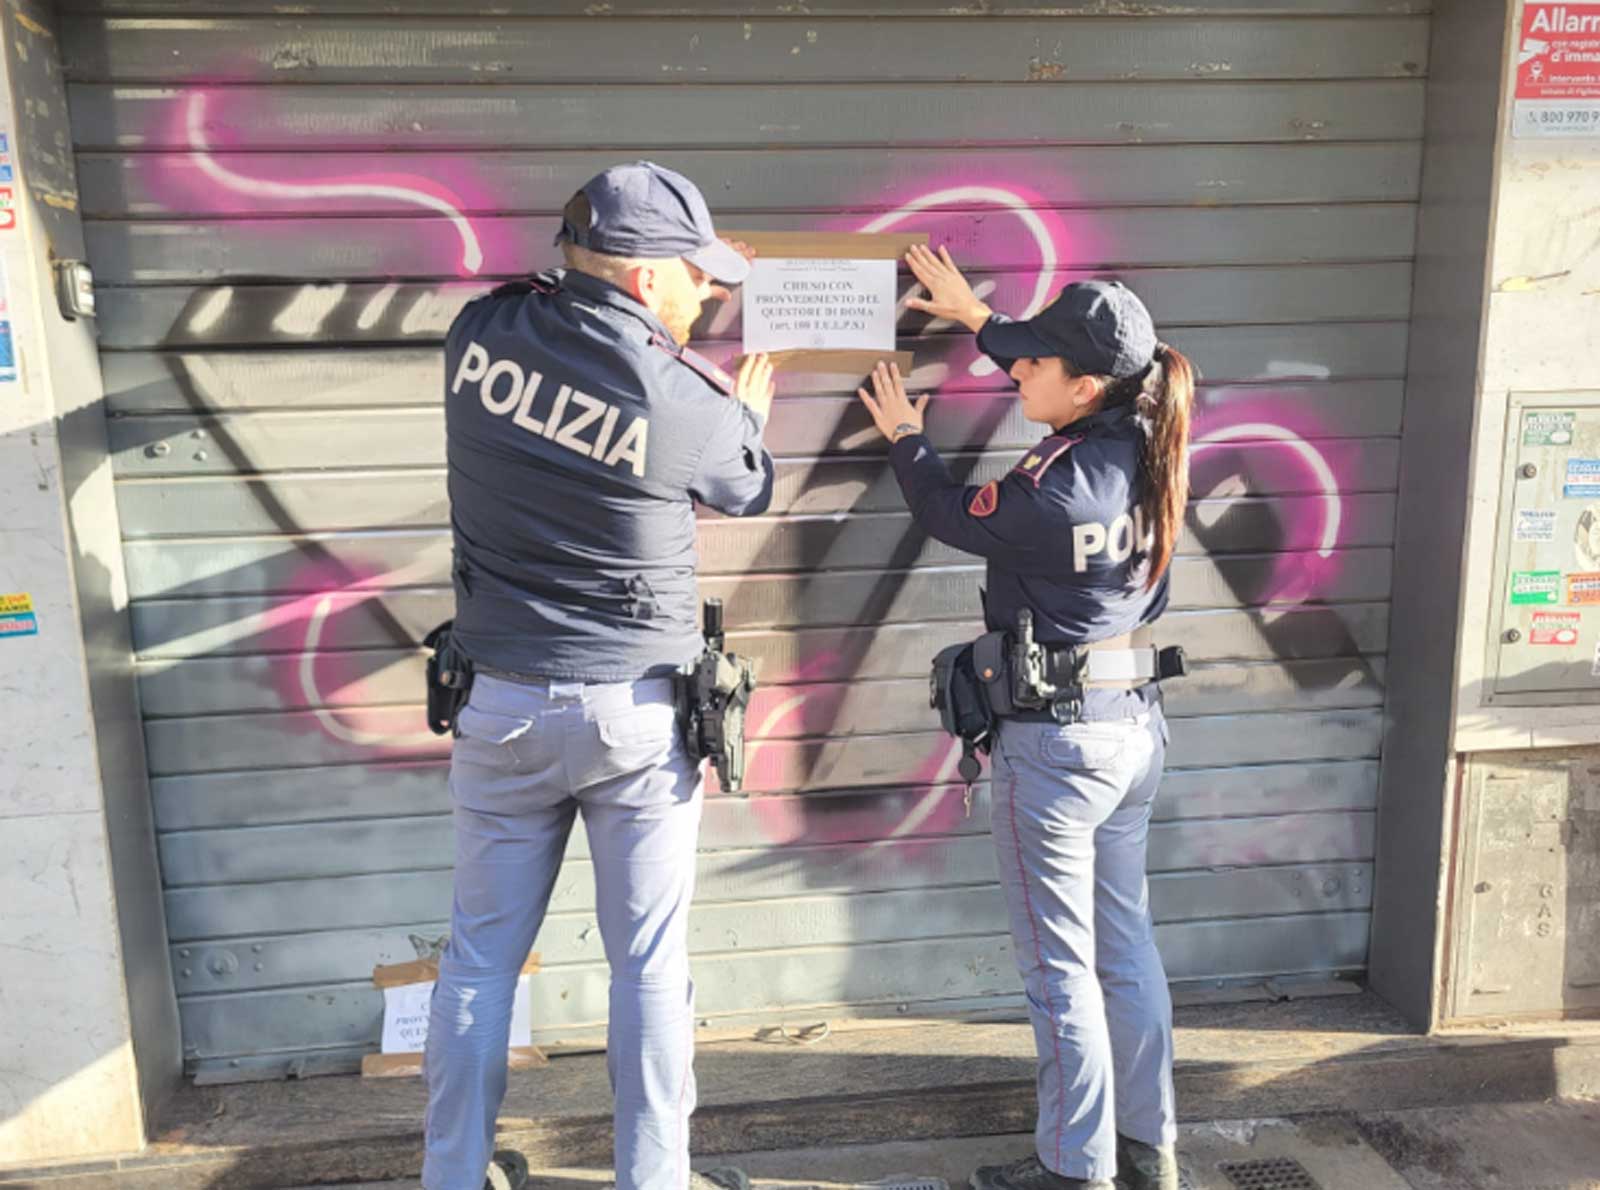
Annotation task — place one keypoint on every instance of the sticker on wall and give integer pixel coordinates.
(1586, 539)
(8, 351)
(1594, 664)
(1536, 586)
(1583, 479)
(1535, 524)
(1558, 70)
(1555, 628)
(17, 617)
(8, 208)
(1583, 588)
(1543, 427)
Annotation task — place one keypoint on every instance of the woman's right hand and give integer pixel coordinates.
(949, 295)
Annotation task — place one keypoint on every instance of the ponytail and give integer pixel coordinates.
(1166, 396)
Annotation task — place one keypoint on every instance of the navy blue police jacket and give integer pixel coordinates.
(1062, 532)
(579, 436)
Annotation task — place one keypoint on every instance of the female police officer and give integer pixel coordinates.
(1080, 533)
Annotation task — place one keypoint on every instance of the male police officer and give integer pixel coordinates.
(580, 431)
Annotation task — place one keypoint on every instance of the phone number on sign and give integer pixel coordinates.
(1573, 117)
(1570, 118)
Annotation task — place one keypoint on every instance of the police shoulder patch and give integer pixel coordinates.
(695, 362)
(985, 500)
(546, 282)
(511, 289)
(1037, 461)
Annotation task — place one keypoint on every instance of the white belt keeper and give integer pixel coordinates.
(1121, 665)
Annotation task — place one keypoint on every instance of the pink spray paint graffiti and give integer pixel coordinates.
(790, 716)
(334, 589)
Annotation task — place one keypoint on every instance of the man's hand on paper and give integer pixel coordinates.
(949, 295)
(754, 384)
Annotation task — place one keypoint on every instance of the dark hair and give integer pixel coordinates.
(1164, 393)
(577, 216)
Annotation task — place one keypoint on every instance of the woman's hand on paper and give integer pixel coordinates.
(893, 412)
(949, 295)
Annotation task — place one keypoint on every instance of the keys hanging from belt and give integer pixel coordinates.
(970, 768)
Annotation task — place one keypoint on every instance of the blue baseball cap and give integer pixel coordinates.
(644, 209)
(1100, 327)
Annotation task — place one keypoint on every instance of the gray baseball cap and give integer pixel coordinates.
(644, 209)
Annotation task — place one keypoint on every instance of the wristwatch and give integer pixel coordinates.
(904, 428)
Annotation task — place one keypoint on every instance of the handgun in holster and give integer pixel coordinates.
(449, 679)
(713, 694)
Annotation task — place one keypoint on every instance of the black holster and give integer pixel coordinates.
(449, 679)
(970, 688)
(713, 693)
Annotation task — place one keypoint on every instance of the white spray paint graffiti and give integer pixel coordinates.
(1310, 455)
(200, 147)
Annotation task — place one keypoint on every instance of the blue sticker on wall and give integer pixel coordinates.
(17, 617)
(8, 356)
(1583, 479)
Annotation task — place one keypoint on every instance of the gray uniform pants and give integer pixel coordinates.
(528, 759)
(1071, 819)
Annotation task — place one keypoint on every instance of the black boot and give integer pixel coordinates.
(508, 1170)
(1031, 1174)
(1146, 1167)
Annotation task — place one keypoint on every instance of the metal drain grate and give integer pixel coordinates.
(1272, 1173)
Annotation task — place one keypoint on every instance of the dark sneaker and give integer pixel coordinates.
(1031, 1174)
(724, 1178)
(1146, 1167)
(508, 1170)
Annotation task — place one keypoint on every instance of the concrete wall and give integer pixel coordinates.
(1540, 335)
(1520, 891)
(1485, 890)
(88, 1043)
(1463, 103)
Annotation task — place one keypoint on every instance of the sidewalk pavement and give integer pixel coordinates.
(1537, 1146)
(875, 1083)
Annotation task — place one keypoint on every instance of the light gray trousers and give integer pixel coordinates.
(1071, 820)
(528, 759)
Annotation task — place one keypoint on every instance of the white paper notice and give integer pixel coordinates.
(1535, 524)
(405, 1016)
(819, 305)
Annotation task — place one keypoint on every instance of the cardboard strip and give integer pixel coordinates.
(829, 245)
(841, 363)
(396, 975)
(519, 1057)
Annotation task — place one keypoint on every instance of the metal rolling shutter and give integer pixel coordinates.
(284, 213)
